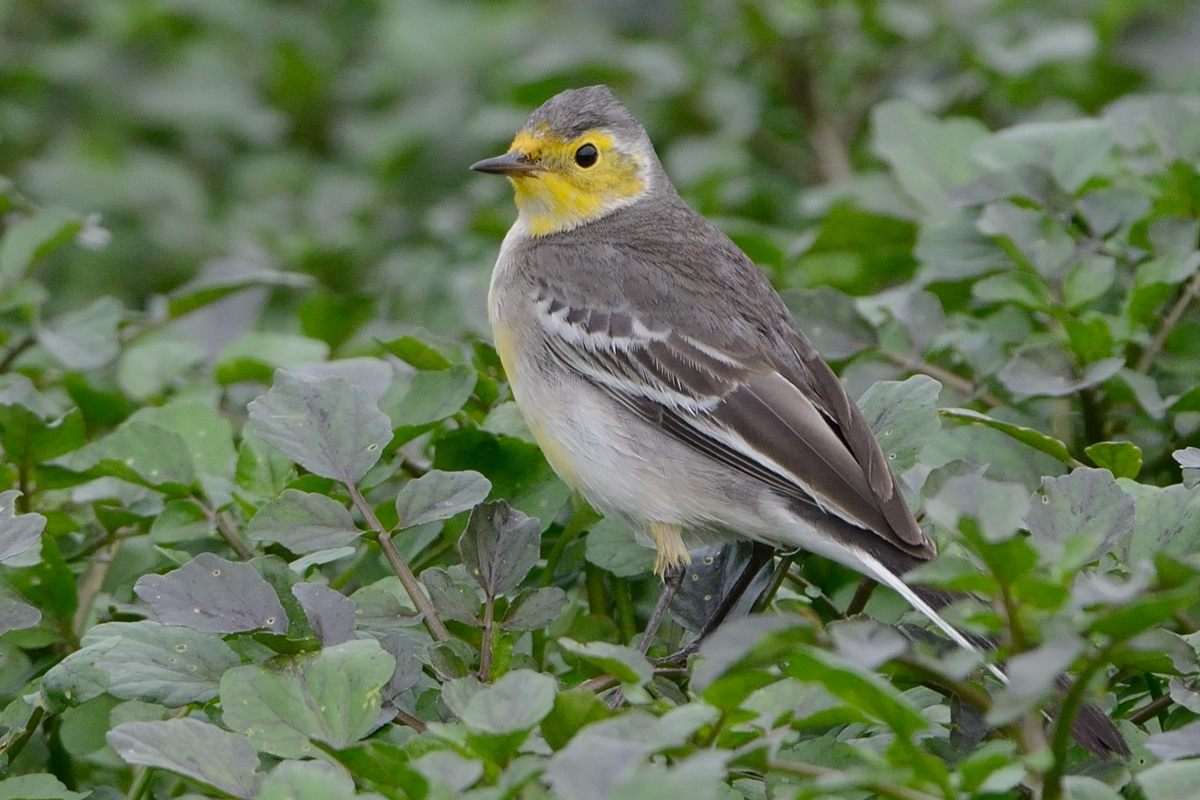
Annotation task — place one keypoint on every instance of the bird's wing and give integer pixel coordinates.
(793, 429)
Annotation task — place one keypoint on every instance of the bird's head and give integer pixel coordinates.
(579, 157)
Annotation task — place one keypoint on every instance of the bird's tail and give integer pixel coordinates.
(1091, 727)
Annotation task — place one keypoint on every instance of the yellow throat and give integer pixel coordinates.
(563, 195)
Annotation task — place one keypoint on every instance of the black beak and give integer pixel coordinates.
(507, 164)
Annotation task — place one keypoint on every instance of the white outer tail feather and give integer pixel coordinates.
(893, 581)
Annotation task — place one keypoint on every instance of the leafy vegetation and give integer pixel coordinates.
(271, 526)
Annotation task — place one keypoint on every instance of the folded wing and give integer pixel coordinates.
(790, 425)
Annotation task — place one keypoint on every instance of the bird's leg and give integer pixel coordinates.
(672, 580)
(759, 557)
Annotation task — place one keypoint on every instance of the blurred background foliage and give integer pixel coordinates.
(333, 137)
(1002, 195)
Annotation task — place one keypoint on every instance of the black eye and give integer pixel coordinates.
(586, 155)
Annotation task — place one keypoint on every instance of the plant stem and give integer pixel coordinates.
(1150, 710)
(1169, 322)
(626, 617)
(228, 532)
(777, 578)
(92, 582)
(858, 603)
(800, 769)
(141, 782)
(1093, 416)
(485, 645)
(411, 721)
(969, 693)
(1016, 632)
(597, 593)
(18, 744)
(1052, 788)
(964, 385)
(14, 352)
(411, 585)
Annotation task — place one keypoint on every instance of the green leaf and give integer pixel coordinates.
(330, 613)
(37, 786)
(1031, 675)
(34, 238)
(860, 689)
(192, 748)
(207, 436)
(955, 250)
(930, 157)
(417, 353)
(439, 495)
(534, 610)
(611, 545)
(332, 698)
(212, 594)
(258, 354)
(573, 709)
(1174, 780)
(323, 425)
(1047, 370)
(1175, 744)
(499, 547)
(84, 339)
(181, 521)
(831, 320)
(1088, 280)
(867, 643)
(1082, 787)
(1122, 459)
(1189, 461)
(16, 614)
(514, 704)
(221, 278)
(1073, 151)
(20, 534)
(262, 471)
(306, 780)
(1166, 521)
(1080, 515)
(958, 490)
(150, 367)
(146, 661)
(304, 522)
(903, 415)
(428, 395)
(1034, 438)
(1040, 239)
(138, 452)
(449, 771)
(1022, 288)
(453, 599)
(623, 663)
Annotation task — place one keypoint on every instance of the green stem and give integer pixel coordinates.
(777, 578)
(1052, 788)
(626, 617)
(1093, 416)
(801, 769)
(412, 586)
(485, 645)
(18, 744)
(597, 593)
(141, 782)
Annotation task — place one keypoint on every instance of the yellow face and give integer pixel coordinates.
(565, 183)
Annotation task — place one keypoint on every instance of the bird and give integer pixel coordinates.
(664, 378)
